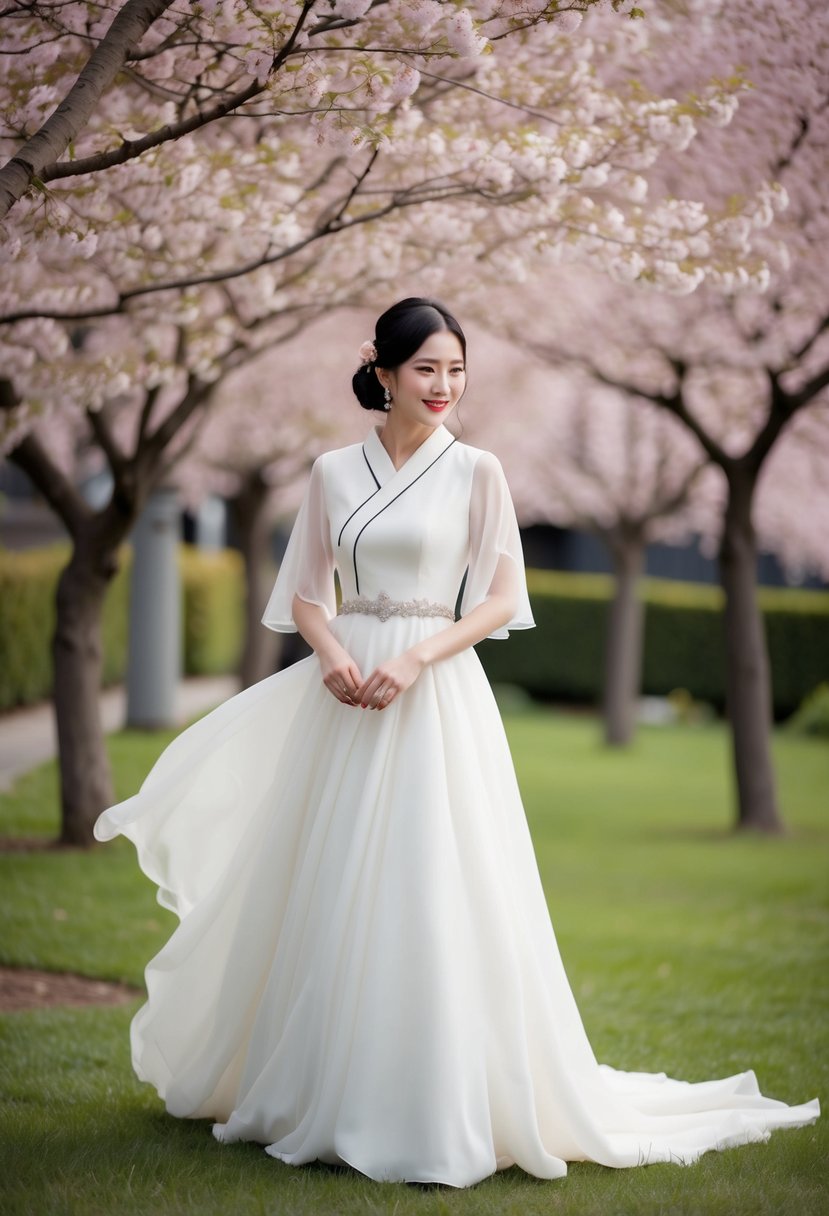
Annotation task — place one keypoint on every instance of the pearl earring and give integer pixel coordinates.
(387, 395)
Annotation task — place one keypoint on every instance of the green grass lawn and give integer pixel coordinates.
(690, 950)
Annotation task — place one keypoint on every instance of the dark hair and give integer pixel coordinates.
(399, 332)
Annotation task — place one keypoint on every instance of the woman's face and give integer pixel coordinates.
(427, 387)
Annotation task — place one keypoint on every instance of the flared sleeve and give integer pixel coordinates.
(307, 569)
(496, 559)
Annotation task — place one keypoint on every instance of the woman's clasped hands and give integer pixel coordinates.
(341, 676)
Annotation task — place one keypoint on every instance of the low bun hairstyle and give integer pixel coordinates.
(399, 333)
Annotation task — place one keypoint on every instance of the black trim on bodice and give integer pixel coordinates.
(363, 503)
(382, 509)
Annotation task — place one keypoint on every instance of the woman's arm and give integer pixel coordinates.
(340, 674)
(469, 630)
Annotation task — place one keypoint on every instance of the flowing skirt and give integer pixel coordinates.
(365, 971)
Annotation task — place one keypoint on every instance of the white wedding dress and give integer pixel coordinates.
(365, 971)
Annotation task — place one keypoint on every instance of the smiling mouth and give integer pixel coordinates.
(435, 405)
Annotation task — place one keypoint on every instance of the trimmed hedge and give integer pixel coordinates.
(213, 591)
(560, 660)
(27, 615)
(684, 645)
(813, 716)
(213, 584)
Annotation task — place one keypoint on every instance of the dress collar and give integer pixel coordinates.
(381, 463)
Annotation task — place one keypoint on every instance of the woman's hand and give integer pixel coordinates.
(388, 680)
(341, 675)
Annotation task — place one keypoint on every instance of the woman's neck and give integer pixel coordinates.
(401, 439)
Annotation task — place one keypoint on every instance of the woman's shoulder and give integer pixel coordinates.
(479, 458)
(336, 458)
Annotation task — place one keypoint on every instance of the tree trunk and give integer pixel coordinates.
(748, 681)
(623, 643)
(86, 779)
(77, 646)
(249, 513)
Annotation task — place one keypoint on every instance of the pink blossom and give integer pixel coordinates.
(351, 10)
(568, 21)
(422, 15)
(405, 83)
(258, 64)
(462, 36)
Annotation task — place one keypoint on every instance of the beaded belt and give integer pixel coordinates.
(384, 607)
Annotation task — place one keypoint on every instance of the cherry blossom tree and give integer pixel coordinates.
(140, 426)
(743, 372)
(242, 164)
(342, 133)
(582, 455)
(179, 70)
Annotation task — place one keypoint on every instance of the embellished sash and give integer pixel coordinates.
(385, 607)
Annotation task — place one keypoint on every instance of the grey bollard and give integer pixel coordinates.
(211, 523)
(154, 662)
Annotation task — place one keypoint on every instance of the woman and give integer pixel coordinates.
(365, 969)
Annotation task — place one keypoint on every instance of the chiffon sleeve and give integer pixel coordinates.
(307, 569)
(496, 559)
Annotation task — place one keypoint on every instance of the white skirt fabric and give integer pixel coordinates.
(365, 971)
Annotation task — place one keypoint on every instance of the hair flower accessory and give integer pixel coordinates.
(368, 353)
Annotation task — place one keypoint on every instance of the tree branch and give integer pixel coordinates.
(146, 412)
(332, 226)
(779, 412)
(805, 347)
(333, 217)
(783, 405)
(673, 502)
(156, 442)
(804, 126)
(31, 456)
(807, 392)
(102, 432)
(452, 82)
(673, 402)
(129, 149)
(29, 164)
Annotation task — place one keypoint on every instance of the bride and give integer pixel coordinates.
(365, 971)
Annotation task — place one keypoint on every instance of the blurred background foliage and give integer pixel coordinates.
(212, 617)
(560, 661)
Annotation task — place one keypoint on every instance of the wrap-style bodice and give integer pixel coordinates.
(410, 534)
